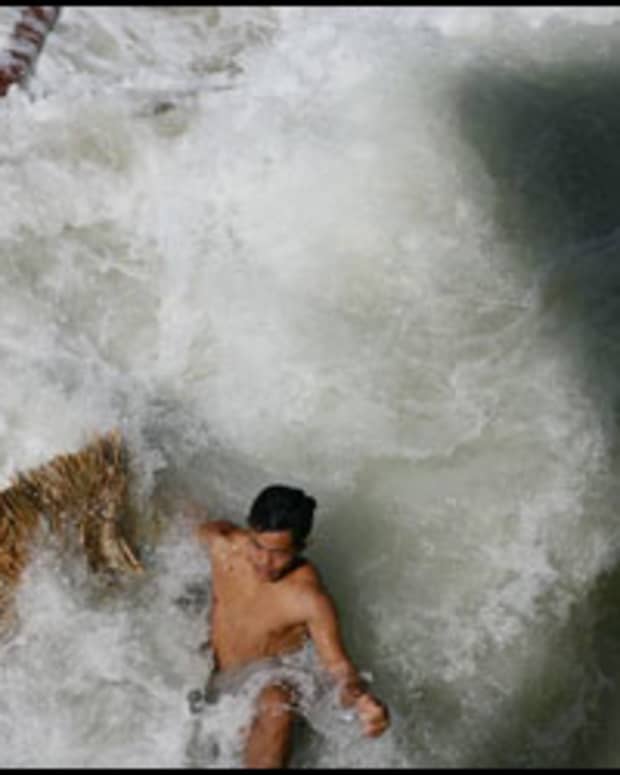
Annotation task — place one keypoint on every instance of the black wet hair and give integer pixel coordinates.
(279, 507)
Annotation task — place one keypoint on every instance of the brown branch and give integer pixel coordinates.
(82, 498)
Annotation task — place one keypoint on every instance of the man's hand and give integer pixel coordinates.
(373, 715)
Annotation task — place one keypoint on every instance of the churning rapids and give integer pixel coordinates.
(368, 251)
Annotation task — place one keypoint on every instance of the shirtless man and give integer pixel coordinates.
(267, 600)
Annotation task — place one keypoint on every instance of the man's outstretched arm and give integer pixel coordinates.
(324, 629)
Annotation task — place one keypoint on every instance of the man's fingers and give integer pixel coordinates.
(373, 715)
(375, 728)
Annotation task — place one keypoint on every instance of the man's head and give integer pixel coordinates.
(280, 520)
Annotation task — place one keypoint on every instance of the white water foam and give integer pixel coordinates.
(258, 241)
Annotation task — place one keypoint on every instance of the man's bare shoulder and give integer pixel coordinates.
(216, 530)
(305, 574)
(305, 584)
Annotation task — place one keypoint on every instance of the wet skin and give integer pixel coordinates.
(267, 601)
